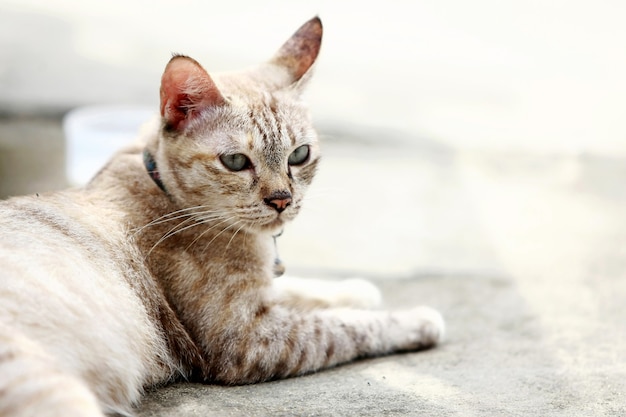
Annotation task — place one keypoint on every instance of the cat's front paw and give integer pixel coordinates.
(434, 327)
(311, 293)
(424, 327)
(358, 293)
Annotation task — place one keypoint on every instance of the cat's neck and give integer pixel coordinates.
(159, 226)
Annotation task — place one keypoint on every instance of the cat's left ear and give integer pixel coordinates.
(186, 89)
(298, 54)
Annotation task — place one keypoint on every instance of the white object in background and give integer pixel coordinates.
(94, 133)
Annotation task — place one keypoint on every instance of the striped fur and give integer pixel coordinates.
(122, 285)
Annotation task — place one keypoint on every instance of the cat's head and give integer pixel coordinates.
(240, 145)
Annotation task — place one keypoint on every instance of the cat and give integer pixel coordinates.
(162, 266)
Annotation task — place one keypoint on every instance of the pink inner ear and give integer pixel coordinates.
(186, 89)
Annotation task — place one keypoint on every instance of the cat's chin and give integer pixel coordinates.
(273, 227)
(274, 223)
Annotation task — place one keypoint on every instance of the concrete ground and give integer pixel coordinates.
(517, 237)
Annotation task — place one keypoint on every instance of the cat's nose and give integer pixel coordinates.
(279, 200)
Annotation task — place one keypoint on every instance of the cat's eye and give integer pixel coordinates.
(236, 161)
(299, 156)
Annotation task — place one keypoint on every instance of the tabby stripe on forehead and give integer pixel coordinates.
(259, 126)
(274, 120)
(267, 122)
(290, 134)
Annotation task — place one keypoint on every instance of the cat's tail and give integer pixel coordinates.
(31, 384)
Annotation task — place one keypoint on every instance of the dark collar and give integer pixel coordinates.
(151, 167)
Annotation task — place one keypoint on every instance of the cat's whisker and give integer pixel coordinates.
(178, 229)
(217, 235)
(168, 217)
(165, 220)
(245, 234)
(191, 217)
(209, 229)
(235, 234)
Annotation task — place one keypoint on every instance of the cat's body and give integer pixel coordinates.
(162, 266)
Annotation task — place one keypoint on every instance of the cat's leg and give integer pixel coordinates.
(270, 341)
(311, 293)
(30, 384)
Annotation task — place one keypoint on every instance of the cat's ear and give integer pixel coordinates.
(186, 89)
(298, 54)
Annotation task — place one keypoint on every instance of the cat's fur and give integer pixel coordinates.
(133, 281)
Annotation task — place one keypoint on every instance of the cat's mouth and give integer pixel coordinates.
(267, 218)
(277, 223)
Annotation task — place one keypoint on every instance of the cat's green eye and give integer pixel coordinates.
(236, 161)
(299, 156)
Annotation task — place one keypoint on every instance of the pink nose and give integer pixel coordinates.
(279, 200)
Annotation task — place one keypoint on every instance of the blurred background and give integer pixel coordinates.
(541, 75)
(402, 89)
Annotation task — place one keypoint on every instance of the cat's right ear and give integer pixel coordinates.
(299, 53)
(186, 89)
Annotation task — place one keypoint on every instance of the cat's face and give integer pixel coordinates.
(241, 149)
(250, 163)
